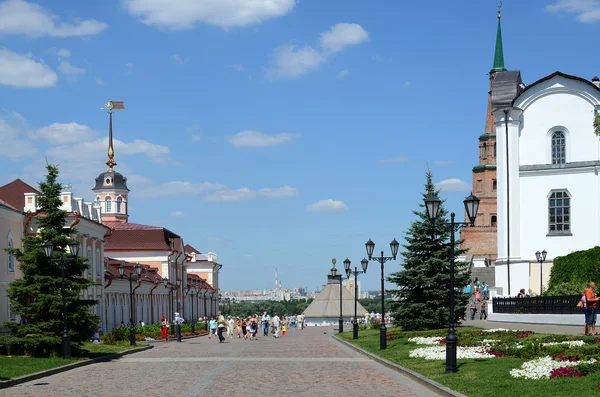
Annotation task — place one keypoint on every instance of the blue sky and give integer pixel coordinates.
(277, 134)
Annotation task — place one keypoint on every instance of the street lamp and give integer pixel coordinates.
(138, 271)
(62, 262)
(205, 313)
(191, 288)
(541, 257)
(341, 319)
(394, 245)
(432, 204)
(355, 272)
(171, 288)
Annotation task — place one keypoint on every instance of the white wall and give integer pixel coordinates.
(519, 277)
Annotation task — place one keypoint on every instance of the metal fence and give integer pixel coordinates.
(538, 305)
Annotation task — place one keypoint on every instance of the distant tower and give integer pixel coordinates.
(276, 279)
(111, 192)
(482, 240)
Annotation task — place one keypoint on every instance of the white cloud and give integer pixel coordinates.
(258, 139)
(342, 35)
(179, 59)
(280, 192)
(291, 61)
(129, 66)
(185, 14)
(59, 133)
(343, 73)
(59, 52)
(181, 188)
(442, 163)
(99, 81)
(14, 144)
(18, 70)
(70, 71)
(399, 159)
(327, 206)
(237, 66)
(20, 17)
(406, 84)
(453, 185)
(587, 11)
(178, 214)
(231, 195)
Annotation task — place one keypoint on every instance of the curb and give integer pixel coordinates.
(64, 368)
(425, 381)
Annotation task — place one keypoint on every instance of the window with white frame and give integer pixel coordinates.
(10, 255)
(108, 204)
(119, 204)
(559, 212)
(558, 147)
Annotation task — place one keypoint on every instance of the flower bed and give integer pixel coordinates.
(439, 352)
(545, 367)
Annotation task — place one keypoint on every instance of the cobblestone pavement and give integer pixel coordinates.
(303, 363)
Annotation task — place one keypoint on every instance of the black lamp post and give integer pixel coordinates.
(171, 290)
(355, 272)
(191, 288)
(394, 245)
(541, 257)
(62, 262)
(205, 313)
(432, 204)
(138, 271)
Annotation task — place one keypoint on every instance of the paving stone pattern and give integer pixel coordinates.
(303, 363)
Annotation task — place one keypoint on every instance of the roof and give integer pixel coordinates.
(13, 193)
(506, 86)
(10, 207)
(118, 181)
(150, 275)
(498, 53)
(327, 304)
(189, 249)
(135, 237)
(559, 74)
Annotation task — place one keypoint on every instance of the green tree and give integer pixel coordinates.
(422, 298)
(36, 297)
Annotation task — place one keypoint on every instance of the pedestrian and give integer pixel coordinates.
(473, 308)
(238, 327)
(230, 327)
(178, 321)
(265, 323)
(221, 324)
(276, 324)
(213, 327)
(164, 328)
(483, 309)
(592, 303)
(283, 328)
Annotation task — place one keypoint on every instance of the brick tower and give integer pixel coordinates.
(482, 240)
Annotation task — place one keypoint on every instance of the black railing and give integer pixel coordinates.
(538, 305)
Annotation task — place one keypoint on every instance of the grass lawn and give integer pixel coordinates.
(15, 366)
(476, 377)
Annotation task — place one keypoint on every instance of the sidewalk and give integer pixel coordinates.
(539, 328)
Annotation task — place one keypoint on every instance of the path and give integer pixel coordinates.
(539, 328)
(304, 363)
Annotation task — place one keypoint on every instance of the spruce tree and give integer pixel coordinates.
(36, 296)
(422, 299)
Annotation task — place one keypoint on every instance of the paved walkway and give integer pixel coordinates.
(304, 363)
(539, 328)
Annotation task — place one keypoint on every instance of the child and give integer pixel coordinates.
(283, 328)
(213, 327)
(483, 309)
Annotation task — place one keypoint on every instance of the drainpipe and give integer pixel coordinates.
(76, 221)
(507, 202)
(152, 302)
(179, 289)
(139, 284)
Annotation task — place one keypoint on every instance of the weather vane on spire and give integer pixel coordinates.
(499, 10)
(110, 107)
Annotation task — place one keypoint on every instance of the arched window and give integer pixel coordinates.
(11, 256)
(558, 147)
(119, 202)
(484, 151)
(559, 213)
(108, 204)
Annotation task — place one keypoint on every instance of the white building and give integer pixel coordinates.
(549, 195)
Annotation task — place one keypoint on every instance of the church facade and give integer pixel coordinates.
(548, 173)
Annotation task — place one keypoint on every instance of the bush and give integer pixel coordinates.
(374, 324)
(575, 270)
(567, 288)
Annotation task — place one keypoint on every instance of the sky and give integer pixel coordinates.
(274, 133)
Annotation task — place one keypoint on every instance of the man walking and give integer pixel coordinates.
(592, 303)
(178, 321)
(266, 319)
(220, 326)
(276, 324)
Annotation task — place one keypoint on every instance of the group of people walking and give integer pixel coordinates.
(479, 296)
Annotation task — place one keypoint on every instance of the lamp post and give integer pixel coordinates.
(341, 319)
(62, 262)
(370, 245)
(541, 257)
(432, 204)
(355, 272)
(190, 290)
(205, 313)
(217, 303)
(138, 271)
(171, 289)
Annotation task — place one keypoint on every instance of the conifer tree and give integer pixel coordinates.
(422, 298)
(36, 296)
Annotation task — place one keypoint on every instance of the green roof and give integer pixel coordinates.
(487, 136)
(499, 53)
(484, 167)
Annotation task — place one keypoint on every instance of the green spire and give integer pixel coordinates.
(499, 53)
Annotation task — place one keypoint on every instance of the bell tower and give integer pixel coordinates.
(481, 240)
(111, 191)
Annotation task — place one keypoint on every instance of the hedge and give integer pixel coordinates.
(571, 273)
